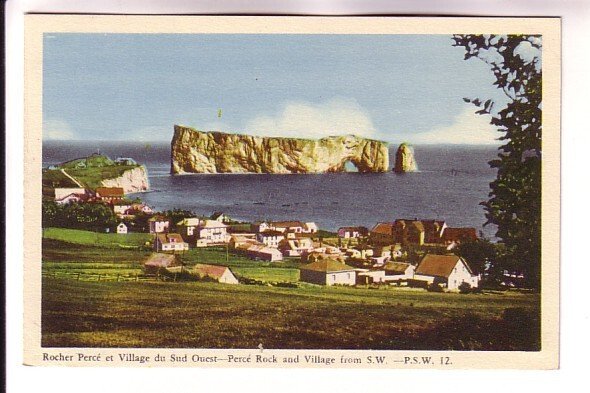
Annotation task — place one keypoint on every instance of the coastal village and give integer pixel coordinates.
(354, 255)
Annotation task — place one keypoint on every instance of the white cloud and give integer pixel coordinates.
(468, 128)
(149, 134)
(299, 119)
(55, 129)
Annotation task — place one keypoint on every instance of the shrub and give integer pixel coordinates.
(434, 287)
(464, 287)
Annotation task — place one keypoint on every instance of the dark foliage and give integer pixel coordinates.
(515, 196)
(89, 216)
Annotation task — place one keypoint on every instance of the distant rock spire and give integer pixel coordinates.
(404, 159)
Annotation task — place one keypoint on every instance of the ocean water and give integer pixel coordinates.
(450, 184)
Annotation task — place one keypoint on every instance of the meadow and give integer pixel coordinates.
(211, 315)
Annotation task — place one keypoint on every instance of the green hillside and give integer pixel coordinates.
(89, 171)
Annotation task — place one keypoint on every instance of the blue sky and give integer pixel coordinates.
(137, 86)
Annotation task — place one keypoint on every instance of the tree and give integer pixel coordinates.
(480, 254)
(514, 204)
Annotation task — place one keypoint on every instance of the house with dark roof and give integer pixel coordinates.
(222, 274)
(170, 242)
(328, 272)
(450, 271)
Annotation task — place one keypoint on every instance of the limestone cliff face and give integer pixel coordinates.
(195, 151)
(133, 180)
(404, 159)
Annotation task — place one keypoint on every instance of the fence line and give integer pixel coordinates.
(103, 277)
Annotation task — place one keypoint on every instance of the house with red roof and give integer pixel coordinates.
(222, 274)
(110, 194)
(382, 234)
(450, 271)
(459, 235)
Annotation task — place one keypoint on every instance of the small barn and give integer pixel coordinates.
(397, 271)
(328, 272)
(222, 274)
(122, 228)
(159, 263)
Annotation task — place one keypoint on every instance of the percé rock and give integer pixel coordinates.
(404, 159)
(196, 151)
(132, 180)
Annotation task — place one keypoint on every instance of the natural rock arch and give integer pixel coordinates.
(196, 151)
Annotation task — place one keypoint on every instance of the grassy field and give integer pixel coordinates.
(200, 314)
(209, 315)
(96, 169)
(109, 240)
(93, 177)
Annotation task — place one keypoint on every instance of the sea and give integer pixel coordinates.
(450, 184)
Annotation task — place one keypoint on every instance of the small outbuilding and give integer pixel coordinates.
(122, 228)
(159, 263)
(328, 272)
(397, 271)
(222, 274)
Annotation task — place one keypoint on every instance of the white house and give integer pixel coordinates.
(188, 226)
(211, 232)
(222, 274)
(270, 238)
(69, 199)
(310, 227)
(170, 242)
(159, 224)
(448, 270)
(141, 207)
(122, 228)
(258, 227)
(398, 271)
(327, 272)
(121, 209)
(352, 232)
(259, 251)
(365, 276)
(61, 193)
(295, 247)
(220, 217)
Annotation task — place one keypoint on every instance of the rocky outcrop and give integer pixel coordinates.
(132, 180)
(404, 159)
(195, 151)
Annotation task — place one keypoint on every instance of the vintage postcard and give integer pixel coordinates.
(325, 192)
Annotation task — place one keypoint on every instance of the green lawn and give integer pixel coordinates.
(109, 240)
(92, 177)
